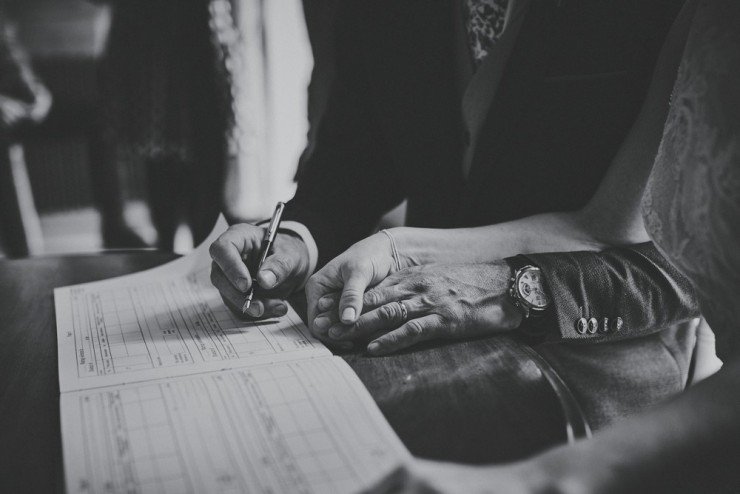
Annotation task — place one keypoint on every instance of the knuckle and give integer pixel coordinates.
(281, 265)
(371, 297)
(388, 312)
(359, 326)
(448, 314)
(414, 329)
(420, 284)
(426, 301)
(391, 338)
(351, 293)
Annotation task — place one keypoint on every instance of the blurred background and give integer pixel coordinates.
(162, 113)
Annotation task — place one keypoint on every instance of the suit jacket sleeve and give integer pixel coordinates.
(349, 181)
(629, 291)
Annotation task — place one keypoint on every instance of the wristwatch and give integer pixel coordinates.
(528, 290)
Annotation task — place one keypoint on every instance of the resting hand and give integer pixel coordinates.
(281, 273)
(339, 286)
(440, 301)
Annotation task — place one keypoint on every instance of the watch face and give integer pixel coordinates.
(529, 286)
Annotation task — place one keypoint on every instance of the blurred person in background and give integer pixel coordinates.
(23, 97)
(24, 100)
(164, 106)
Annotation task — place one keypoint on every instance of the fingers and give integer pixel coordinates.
(227, 252)
(350, 302)
(229, 272)
(382, 295)
(227, 290)
(234, 299)
(275, 270)
(327, 302)
(320, 329)
(323, 322)
(413, 332)
(317, 289)
(259, 309)
(268, 307)
(385, 317)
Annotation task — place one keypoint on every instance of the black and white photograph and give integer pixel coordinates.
(370, 246)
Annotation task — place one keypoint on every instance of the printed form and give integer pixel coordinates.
(164, 390)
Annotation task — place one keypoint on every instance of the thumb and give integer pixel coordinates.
(350, 302)
(276, 270)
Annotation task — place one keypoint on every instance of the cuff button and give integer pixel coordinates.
(593, 325)
(581, 325)
(604, 325)
(617, 324)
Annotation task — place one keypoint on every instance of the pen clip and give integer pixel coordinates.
(275, 222)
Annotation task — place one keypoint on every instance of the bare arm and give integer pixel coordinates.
(657, 294)
(611, 218)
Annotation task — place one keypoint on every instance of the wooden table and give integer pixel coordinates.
(476, 401)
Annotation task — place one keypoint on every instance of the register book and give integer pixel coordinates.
(164, 390)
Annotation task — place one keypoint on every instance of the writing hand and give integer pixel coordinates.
(281, 273)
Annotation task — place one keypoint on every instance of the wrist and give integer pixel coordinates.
(404, 246)
(297, 246)
(513, 314)
(302, 233)
(415, 247)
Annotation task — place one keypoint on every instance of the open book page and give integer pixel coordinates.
(300, 426)
(166, 321)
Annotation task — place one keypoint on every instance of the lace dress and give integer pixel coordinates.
(692, 201)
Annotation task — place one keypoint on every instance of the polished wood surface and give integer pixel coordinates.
(479, 400)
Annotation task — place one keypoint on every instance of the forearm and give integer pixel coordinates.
(549, 232)
(691, 444)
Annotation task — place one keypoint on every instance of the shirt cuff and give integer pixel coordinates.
(313, 251)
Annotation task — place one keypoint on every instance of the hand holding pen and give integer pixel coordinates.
(247, 254)
(265, 248)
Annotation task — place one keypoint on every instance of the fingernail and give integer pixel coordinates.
(335, 332)
(348, 315)
(373, 347)
(242, 284)
(326, 303)
(256, 309)
(267, 279)
(321, 322)
(281, 309)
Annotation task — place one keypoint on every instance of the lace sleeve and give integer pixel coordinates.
(692, 202)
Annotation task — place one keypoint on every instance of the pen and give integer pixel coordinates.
(267, 242)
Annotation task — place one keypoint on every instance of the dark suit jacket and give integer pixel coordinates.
(572, 87)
